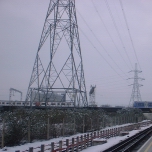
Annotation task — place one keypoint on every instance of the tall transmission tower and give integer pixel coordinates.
(135, 96)
(58, 67)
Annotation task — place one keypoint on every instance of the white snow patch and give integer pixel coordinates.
(112, 141)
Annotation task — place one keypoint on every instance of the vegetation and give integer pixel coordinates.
(24, 125)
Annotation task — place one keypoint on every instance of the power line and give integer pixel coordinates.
(118, 15)
(100, 53)
(105, 82)
(108, 83)
(123, 11)
(109, 33)
(111, 15)
(110, 76)
(100, 43)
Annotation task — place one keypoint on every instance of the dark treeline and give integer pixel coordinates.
(22, 125)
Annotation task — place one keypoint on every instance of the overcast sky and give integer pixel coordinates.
(107, 59)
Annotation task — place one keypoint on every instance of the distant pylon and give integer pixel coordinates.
(58, 73)
(135, 96)
(92, 96)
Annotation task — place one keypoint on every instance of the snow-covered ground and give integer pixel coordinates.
(99, 148)
(112, 141)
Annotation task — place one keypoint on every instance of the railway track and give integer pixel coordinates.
(131, 143)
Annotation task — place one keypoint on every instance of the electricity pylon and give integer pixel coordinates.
(58, 67)
(135, 96)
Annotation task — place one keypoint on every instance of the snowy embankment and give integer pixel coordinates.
(99, 148)
(113, 141)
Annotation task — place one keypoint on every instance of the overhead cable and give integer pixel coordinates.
(111, 15)
(101, 44)
(123, 11)
(100, 54)
(109, 33)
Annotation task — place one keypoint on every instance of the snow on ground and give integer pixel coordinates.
(99, 148)
(112, 141)
(38, 144)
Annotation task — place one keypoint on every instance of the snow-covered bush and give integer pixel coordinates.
(33, 124)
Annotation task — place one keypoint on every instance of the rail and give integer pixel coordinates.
(130, 143)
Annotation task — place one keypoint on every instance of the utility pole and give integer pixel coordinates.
(135, 96)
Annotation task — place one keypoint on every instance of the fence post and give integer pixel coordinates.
(60, 145)
(81, 142)
(91, 138)
(115, 132)
(42, 148)
(77, 143)
(103, 134)
(118, 130)
(98, 134)
(94, 134)
(85, 141)
(72, 144)
(109, 132)
(106, 133)
(52, 146)
(67, 144)
(3, 133)
(31, 149)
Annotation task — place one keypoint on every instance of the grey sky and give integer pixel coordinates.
(21, 24)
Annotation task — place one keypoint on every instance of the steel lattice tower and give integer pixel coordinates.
(60, 70)
(135, 96)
